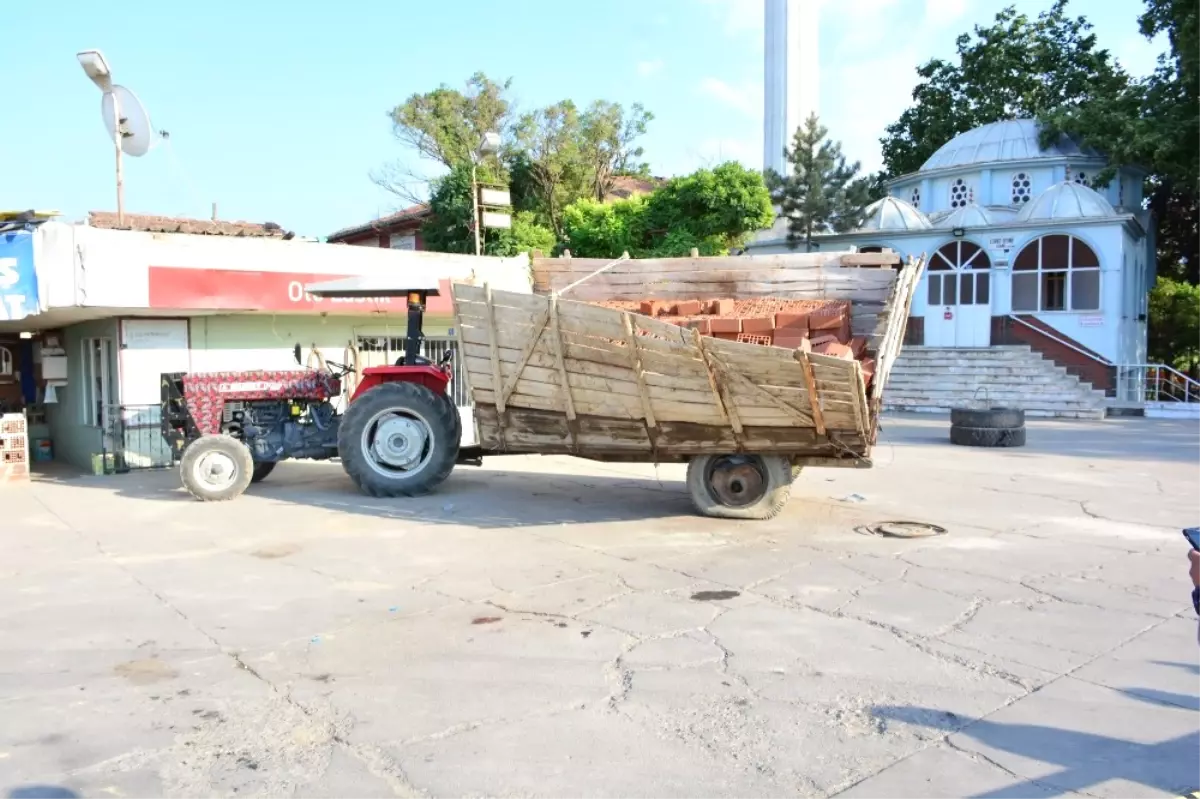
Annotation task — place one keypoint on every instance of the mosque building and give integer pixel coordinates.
(1022, 248)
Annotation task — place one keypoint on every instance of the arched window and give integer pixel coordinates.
(1020, 188)
(6, 362)
(1056, 273)
(914, 198)
(958, 283)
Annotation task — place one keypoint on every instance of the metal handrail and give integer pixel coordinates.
(1133, 380)
(1067, 344)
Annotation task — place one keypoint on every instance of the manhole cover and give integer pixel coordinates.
(904, 529)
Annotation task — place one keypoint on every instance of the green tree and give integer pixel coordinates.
(1017, 67)
(823, 192)
(445, 126)
(607, 136)
(1174, 335)
(449, 228)
(709, 210)
(546, 147)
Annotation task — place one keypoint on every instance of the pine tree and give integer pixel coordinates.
(823, 194)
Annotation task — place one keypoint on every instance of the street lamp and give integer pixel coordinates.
(96, 68)
(488, 145)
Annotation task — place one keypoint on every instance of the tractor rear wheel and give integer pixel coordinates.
(215, 468)
(399, 440)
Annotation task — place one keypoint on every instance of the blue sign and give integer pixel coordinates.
(18, 280)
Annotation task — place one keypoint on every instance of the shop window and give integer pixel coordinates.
(6, 363)
(97, 381)
(1056, 273)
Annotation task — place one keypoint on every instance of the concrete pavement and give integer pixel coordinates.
(547, 626)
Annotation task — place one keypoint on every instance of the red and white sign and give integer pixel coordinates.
(237, 290)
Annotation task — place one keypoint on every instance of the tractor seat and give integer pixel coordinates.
(420, 360)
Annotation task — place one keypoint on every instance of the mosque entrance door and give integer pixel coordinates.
(958, 297)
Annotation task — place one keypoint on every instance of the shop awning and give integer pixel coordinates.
(396, 285)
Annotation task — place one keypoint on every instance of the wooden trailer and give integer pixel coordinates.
(559, 374)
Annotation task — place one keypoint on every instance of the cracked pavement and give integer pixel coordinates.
(548, 627)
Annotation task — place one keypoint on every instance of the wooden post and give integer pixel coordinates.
(494, 346)
(568, 402)
(728, 412)
(631, 342)
(814, 399)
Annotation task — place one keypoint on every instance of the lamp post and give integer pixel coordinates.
(96, 67)
(489, 144)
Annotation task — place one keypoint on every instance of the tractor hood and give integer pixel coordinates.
(396, 285)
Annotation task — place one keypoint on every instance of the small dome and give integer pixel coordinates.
(1008, 140)
(891, 213)
(969, 215)
(1066, 200)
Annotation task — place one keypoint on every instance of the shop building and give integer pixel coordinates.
(104, 312)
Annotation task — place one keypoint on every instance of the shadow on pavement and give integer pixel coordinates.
(1083, 759)
(41, 792)
(485, 498)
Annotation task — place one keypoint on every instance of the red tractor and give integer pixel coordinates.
(399, 434)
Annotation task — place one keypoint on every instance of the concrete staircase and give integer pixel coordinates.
(936, 379)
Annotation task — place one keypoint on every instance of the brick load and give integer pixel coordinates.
(820, 326)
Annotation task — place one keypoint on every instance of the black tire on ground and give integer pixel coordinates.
(427, 430)
(216, 468)
(456, 417)
(1000, 418)
(261, 470)
(718, 488)
(987, 436)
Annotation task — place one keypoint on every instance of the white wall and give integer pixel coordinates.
(109, 268)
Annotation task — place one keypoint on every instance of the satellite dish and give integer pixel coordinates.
(136, 133)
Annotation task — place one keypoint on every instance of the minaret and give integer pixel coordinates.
(791, 75)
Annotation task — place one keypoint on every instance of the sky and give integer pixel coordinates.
(278, 111)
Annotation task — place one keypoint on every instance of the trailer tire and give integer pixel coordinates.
(426, 431)
(988, 436)
(261, 470)
(728, 496)
(997, 418)
(216, 468)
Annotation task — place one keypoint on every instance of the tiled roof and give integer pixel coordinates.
(383, 223)
(625, 186)
(202, 227)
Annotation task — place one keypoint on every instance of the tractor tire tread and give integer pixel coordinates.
(987, 436)
(438, 413)
(232, 447)
(996, 418)
(262, 469)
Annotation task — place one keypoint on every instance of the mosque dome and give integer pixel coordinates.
(1007, 140)
(891, 213)
(968, 216)
(1066, 200)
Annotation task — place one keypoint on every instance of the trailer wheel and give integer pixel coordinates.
(215, 468)
(739, 486)
(398, 440)
(261, 470)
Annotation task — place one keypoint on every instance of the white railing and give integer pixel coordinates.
(1155, 383)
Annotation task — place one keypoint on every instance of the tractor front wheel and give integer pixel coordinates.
(215, 468)
(399, 440)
